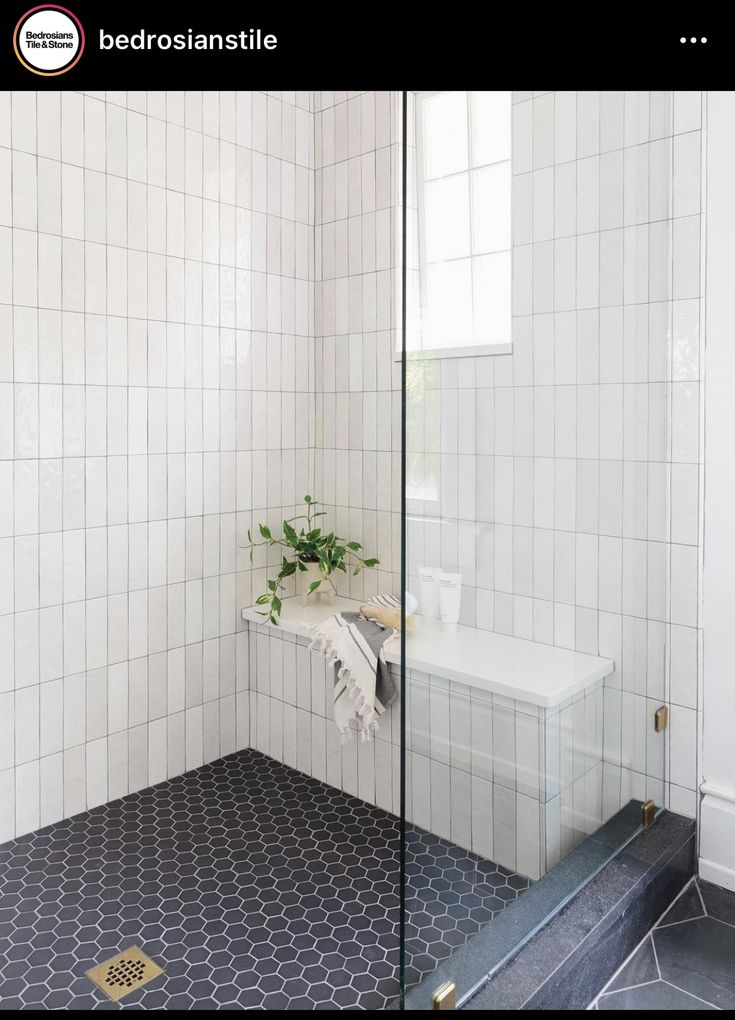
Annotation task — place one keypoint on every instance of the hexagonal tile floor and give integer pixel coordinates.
(252, 885)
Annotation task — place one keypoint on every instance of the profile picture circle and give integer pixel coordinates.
(48, 40)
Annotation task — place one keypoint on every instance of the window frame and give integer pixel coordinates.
(465, 350)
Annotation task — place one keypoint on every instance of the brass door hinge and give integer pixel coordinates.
(648, 813)
(661, 719)
(445, 997)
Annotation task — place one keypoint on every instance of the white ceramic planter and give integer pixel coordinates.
(325, 592)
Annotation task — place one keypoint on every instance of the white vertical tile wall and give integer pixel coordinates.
(358, 383)
(198, 293)
(156, 390)
(357, 434)
(564, 480)
(292, 720)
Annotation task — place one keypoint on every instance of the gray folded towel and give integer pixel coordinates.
(363, 685)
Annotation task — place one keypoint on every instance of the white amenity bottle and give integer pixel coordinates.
(450, 597)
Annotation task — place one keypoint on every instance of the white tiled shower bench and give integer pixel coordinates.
(505, 736)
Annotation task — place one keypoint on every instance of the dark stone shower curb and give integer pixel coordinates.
(566, 961)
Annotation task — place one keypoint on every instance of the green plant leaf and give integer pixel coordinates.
(371, 563)
(307, 499)
(265, 531)
(355, 546)
(289, 533)
(262, 600)
(276, 604)
(313, 586)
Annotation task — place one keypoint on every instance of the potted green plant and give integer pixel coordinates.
(311, 554)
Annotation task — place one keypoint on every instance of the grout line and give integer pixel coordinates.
(627, 988)
(675, 924)
(701, 898)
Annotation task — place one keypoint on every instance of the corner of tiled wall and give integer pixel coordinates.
(358, 379)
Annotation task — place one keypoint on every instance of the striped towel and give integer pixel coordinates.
(363, 686)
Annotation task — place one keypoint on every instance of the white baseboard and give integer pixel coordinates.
(717, 836)
(718, 874)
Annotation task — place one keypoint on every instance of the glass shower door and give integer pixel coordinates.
(536, 351)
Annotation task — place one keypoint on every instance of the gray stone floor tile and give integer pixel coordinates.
(656, 995)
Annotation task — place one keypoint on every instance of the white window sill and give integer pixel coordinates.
(477, 351)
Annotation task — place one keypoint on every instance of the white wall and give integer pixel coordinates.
(197, 329)
(717, 831)
(292, 720)
(156, 361)
(569, 470)
(358, 381)
(357, 436)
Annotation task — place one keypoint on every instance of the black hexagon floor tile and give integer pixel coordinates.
(252, 885)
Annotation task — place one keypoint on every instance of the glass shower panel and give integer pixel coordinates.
(537, 396)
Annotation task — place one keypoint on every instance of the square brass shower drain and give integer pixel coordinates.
(124, 973)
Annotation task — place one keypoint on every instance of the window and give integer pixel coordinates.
(463, 149)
